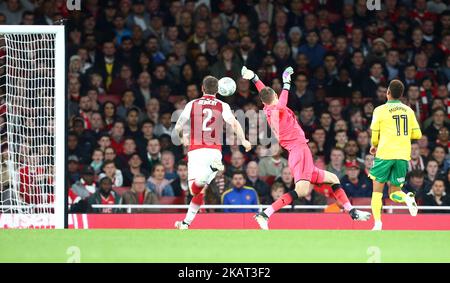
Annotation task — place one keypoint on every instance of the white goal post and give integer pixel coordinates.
(32, 126)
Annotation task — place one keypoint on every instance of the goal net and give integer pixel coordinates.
(32, 123)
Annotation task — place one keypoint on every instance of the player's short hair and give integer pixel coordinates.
(267, 95)
(210, 85)
(396, 89)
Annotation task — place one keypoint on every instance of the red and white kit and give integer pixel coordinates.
(207, 116)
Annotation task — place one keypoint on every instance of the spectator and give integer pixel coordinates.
(307, 119)
(276, 191)
(117, 136)
(132, 120)
(115, 175)
(431, 170)
(416, 184)
(437, 197)
(97, 124)
(165, 125)
(139, 194)
(376, 78)
(139, 16)
(103, 141)
(82, 189)
(180, 185)
(351, 150)
(341, 139)
(363, 140)
(239, 194)
(12, 10)
(302, 95)
(158, 184)
(443, 139)
(319, 136)
(104, 195)
(168, 161)
(152, 108)
(423, 146)
(335, 109)
(109, 114)
(255, 182)
(134, 169)
(237, 163)
(153, 154)
(438, 121)
(128, 100)
(108, 66)
(73, 168)
(145, 135)
(97, 160)
(143, 91)
(286, 179)
(354, 183)
(228, 65)
(246, 52)
(368, 163)
(336, 165)
(438, 154)
(325, 123)
(313, 49)
(272, 165)
(228, 16)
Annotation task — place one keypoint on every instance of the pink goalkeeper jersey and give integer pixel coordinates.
(283, 121)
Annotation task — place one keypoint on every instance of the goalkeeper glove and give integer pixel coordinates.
(287, 78)
(249, 74)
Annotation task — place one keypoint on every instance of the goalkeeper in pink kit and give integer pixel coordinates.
(285, 126)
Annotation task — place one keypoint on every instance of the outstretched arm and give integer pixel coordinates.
(250, 75)
(283, 99)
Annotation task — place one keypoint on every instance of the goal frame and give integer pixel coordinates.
(60, 110)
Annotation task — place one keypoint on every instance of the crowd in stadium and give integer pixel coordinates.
(131, 64)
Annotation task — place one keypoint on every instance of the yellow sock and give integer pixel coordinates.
(377, 203)
(398, 196)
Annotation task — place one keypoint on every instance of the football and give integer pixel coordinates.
(227, 86)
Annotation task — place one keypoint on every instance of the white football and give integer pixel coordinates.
(227, 86)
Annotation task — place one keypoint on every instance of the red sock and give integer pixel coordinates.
(196, 189)
(284, 200)
(197, 199)
(341, 196)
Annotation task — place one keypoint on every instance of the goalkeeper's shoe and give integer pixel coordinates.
(217, 165)
(411, 203)
(359, 215)
(263, 220)
(378, 226)
(181, 225)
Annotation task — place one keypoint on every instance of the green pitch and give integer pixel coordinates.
(223, 246)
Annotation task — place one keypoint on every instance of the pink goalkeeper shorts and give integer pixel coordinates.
(302, 165)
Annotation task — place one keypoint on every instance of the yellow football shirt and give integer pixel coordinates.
(393, 127)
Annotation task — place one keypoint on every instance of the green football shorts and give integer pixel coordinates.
(389, 170)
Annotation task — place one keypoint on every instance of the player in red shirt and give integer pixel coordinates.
(206, 115)
(286, 128)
